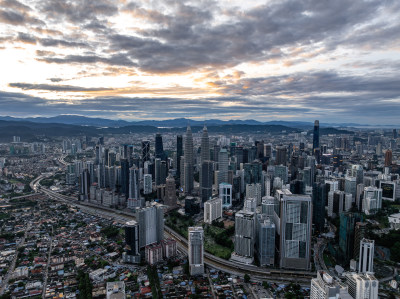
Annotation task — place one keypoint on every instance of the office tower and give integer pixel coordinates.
(338, 202)
(212, 210)
(163, 172)
(239, 154)
(372, 200)
(346, 235)
(325, 287)
(359, 195)
(267, 205)
(223, 162)
(151, 224)
(196, 250)
(267, 186)
(106, 151)
(145, 150)
(134, 187)
(260, 149)
(132, 241)
(206, 180)
(159, 148)
(125, 177)
(350, 186)
(205, 145)
(362, 286)
(265, 240)
(281, 155)
(318, 199)
(251, 154)
(268, 150)
(366, 256)
(295, 231)
(357, 172)
(188, 162)
(360, 232)
(84, 185)
(157, 170)
(250, 205)
(216, 151)
(252, 172)
(147, 184)
(170, 192)
(395, 134)
(388, 158)
(254, 191)
(245, 234)
(281, 172)
(90, 168)
(179, 154)
(225, 193)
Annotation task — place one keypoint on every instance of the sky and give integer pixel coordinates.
(336, 61)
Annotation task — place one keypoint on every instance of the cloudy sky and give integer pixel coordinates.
(337, 61)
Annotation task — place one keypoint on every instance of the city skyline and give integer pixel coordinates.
(283, 60)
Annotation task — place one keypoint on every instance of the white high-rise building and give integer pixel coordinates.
(225, 193)
(254, 191)
(196, 250)
(325, 287)
(147, 184)
(250, 204)
(366, 261)
(295, 225)
(362, 286)
(372, 201)
(245, 233)
(212, 210)
(151, 224)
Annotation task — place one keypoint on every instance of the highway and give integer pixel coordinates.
(257, 273)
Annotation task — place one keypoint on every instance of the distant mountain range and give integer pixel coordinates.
(170, 123)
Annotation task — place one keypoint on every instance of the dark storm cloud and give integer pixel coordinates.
(50, 42)
(187, 40)
(48, 87)
(18, 18)
(77, 12)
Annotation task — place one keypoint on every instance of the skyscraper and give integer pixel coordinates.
(196, 250)
(346, 235)
(179, 153)
(325, 287)
(223, 163)
(205, 145)
(295, 231)
(125, 177)
(132, 241)
(388, 158)
(316, 136)
(134, 187)
(245, 234)
(170, 192)
(318, 198)
(188, 162)
(145, 150)
(362, 286)
(366, 262)
(265, 240)
(225, 193)
(159, 148)
(151, 225)
(206, 180)
(281, 155)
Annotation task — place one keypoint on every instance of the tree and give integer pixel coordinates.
(246, 278)
(395, 252)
